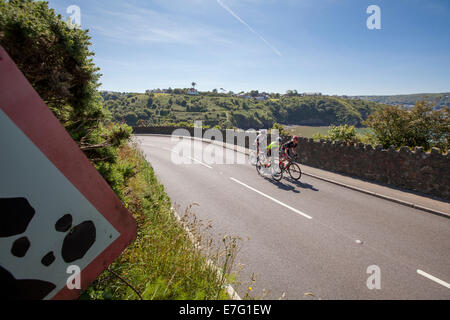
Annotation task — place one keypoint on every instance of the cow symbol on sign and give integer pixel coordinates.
(15, 216)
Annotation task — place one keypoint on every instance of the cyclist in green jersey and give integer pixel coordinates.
(274, 145)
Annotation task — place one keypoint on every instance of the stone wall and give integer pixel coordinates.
(428, 173)
(416, 170)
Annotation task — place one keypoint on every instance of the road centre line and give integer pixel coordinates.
(273, 199)
(198, 161)
(432, 278)
(190, 158)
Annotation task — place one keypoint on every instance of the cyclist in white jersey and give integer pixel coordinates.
(261, 138)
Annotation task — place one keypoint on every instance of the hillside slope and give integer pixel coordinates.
(229, 111)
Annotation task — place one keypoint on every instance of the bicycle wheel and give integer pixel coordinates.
(295, 172)
(259, 167)
(262, 157)
(277, 173)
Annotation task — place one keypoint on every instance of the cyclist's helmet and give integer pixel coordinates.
(280, 140)
(296, 138)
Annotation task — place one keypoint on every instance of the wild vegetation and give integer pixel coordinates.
(228, 111)
(317, 132)
(343, 133)
(163, 262)
(419, 126)
(56, 61)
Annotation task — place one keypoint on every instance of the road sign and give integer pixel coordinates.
(57, 214)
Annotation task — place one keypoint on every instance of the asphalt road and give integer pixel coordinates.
(309, 236)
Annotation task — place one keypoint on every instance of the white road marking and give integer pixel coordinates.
(198, 161)
(190, 158)
(273, 199)
(437, 280)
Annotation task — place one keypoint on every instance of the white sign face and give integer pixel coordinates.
(46, 224)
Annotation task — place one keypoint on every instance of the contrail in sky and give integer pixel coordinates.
(248, 26)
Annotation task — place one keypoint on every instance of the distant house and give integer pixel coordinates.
(262, 97)
(244, 95)
(192, 92)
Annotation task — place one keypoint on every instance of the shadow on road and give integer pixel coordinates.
(281, 185)
(301, 184)
(287, 187)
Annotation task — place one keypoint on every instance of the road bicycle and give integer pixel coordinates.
(253, 155)
(277, 167)
(266, 165)
(290, 165)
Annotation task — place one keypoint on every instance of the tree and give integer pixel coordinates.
(56, 60)
(254, 93)
(281, 130)
(344, 133)
(420, 126)
(193, 84)
(150, 102)
(291, 93)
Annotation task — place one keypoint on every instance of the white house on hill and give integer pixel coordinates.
(192, 92)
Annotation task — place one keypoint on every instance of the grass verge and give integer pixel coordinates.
(165, 262)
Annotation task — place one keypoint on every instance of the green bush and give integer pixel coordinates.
(343, 133)
(56, 60)
(281, 131)
(420, 126)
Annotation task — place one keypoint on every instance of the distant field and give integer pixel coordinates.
(308, 131)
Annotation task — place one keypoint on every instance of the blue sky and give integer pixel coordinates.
(269, 45)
